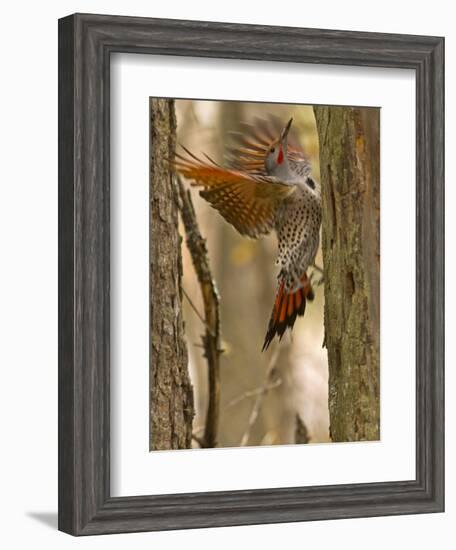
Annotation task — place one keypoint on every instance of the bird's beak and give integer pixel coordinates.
(285, 131)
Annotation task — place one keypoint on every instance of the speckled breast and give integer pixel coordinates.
(298, 228)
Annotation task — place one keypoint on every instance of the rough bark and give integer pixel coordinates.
(350, 165)
(171, 393)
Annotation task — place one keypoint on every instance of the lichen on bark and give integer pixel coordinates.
(350, 177)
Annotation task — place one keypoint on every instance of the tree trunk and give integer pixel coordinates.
(350, 166)
(171, 393)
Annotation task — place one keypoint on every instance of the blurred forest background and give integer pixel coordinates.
(263, 395)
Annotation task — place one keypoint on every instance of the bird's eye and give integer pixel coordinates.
(272, 149)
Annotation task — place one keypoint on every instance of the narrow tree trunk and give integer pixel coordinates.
(350, 165)
(171, 394)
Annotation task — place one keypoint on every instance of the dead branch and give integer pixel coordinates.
(211, 339)
(197, 313)
(253, 393)
(258, 401)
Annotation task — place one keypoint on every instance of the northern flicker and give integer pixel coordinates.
(267, 184)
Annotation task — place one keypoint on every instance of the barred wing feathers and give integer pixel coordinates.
(246, 201)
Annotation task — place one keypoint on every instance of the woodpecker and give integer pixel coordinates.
(267, 184)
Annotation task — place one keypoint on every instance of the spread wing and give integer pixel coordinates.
(249, 146)
(246, 201)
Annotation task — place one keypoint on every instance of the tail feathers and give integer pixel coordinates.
(286, 309)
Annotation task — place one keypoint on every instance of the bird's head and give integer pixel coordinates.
(276, 160)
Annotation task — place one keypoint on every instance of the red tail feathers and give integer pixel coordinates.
(287, 307)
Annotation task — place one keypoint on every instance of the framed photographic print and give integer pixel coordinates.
(251, 274)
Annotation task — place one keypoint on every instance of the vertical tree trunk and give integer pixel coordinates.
(171, 394)
(350, 165)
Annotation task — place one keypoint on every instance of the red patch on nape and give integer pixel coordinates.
(280, 157)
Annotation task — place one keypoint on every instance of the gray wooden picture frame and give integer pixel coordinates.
(85, 45)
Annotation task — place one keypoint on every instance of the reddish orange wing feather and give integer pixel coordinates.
(283, 311)
(245, 200)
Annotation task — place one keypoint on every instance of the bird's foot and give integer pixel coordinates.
(316, 280)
